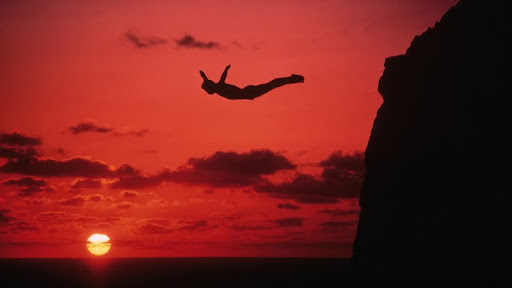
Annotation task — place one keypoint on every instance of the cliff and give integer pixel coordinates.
(433, 203)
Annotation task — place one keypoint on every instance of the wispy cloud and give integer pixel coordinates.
(30, 185)
(18, 146)
(91, 127)
(73, 201)
(76, 167)
(197, 225)
(342, 177)
(86, 183)
(222, 169)
(287, 206)
(188, 41)
(337, 225)
(339, 212)
(18, 139)
(289, 222)
(144, 41)
(247, 228)
(12, 224)
(88, 126)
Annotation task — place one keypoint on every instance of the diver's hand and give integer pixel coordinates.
(202, 73)
(229, 66)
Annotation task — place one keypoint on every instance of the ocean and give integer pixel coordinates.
(174, 272)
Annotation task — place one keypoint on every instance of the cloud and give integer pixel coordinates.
(289, 222)
(86, 183)
(350, 163)
(303, 188)
(156, 203)
(17, 227)
(188, 41)
(100, 225)
(58, 219)
(18, 146)
(231, 169)
(95, 198)
(91, 127)
(30, 185)
(144, 41)
(152, 228)
(74, 201)
(63, 217)
(247, 228)
(26, 182)
(127, 170)
(212, 178)
(255, 162)
(36, 201)
(18, 152)
(18, 139)
(125, 205)
(31, 242)
(133, 132)
(339, 212)
(11, 224)
(138, 181)
(134, 194)
(342, 177)
(335, 225)
(129, 194)
(25, 160)
(208, 191)
(345, 172)
(51, 214)
(287, 206)
(8, 153)
(222, 169)
(164, 226)
(4, 217)
(76, 167)
(84, 127)
(199, 225)
(61, 151)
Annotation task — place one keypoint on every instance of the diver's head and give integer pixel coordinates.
(208, 86)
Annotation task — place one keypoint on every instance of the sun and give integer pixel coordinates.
(98, 244)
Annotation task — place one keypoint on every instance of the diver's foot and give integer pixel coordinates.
(297, 78)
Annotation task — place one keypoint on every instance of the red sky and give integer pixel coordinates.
(207, 176)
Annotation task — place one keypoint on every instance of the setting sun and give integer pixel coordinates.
(98, 244)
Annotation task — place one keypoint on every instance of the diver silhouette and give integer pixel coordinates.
(249, 92)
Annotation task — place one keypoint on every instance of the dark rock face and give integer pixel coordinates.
(433, 205)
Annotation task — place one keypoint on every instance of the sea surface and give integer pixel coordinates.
(174, 272)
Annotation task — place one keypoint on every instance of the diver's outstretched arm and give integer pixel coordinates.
(203, 75)
(224, 74)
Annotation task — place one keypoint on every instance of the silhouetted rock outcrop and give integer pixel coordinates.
(433, 206)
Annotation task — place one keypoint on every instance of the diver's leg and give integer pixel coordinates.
(297, 78)
(251, 92)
